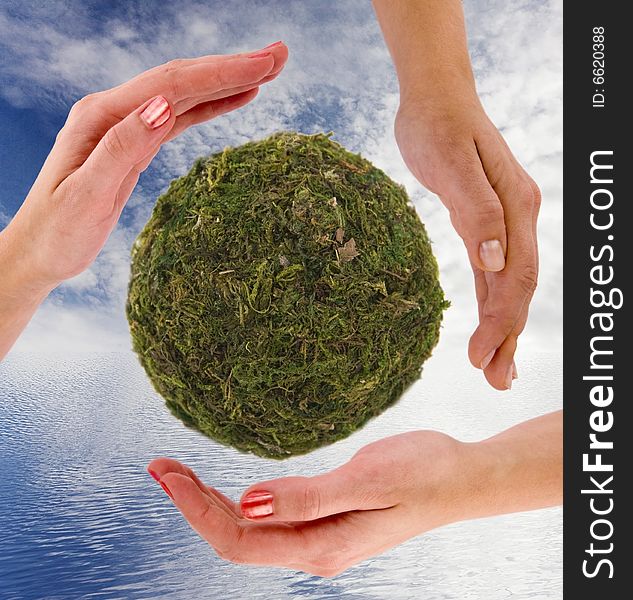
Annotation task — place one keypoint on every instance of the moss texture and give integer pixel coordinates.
(283, 293)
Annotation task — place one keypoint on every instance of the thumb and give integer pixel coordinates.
(127, 144)
(478, 216)
(309, 498)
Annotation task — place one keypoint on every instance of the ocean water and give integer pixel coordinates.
(80, 517)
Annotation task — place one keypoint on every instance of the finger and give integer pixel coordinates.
(495, 371)
(177, 81)
(187, 105)
(233, 539)
(125, 145)
(280, 53)
(159, 467)
(506, 371)
(510, 291)
(481, 290)
(476, 212)
(210, 520)
(481, 294)
(210, 110)
(500, 365)
(500, 371)
(309, 498)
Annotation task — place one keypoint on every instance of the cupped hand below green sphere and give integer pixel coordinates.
(283, 293)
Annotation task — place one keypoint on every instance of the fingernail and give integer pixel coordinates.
(509, 377)
(166, 489)
(156, 113)
(153, 474)
(491, 254)
(486, 360)
(260, 54)
(515, 373)
(274, 44)
(257, 504)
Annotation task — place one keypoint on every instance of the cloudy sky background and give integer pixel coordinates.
(339, 77)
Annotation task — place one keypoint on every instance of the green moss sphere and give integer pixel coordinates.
(282, 294)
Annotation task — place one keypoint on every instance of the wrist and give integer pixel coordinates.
(492, 480)
(21, 284)
(438, 85)
(477, 477)
(440, 101)
(455, 487)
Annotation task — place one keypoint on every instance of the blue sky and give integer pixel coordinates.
(339, 77)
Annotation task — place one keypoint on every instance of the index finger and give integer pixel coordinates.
(232, 538)
(181, 79)
(321, 547)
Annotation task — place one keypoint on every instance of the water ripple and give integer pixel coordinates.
(82, 519)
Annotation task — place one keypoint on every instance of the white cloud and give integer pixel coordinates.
(4, 218)
(61, 329)
(84, 281)
(339, 77)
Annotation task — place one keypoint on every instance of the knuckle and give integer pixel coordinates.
(215, 78)
(232, 549)
(172, 76)
(173, 65)
(218, 78)
(62, 133)
(525, 194)
(528, 279)
(311, 502)
(83, 105)
(537, 197)
(173, 84)
(203, 514)
(474, 217)
(487, 211)
(114, 145)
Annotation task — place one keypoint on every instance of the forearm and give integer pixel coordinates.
(20, 293)
(516, 470)
(427, 41)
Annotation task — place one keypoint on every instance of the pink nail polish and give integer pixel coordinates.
(166, 489)
(487, 359)
(274, 44)
(257, 504)
(156, 113)
(260, 54)
(153, 474)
